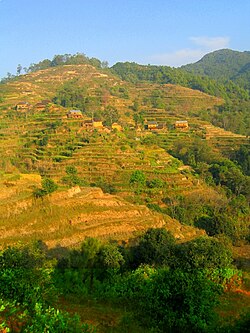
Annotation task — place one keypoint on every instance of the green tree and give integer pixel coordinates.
(110, 115)
(203, 253)
(19, 69)
(155, 247)
(177, 301)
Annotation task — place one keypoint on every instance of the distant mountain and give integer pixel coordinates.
(223, 64)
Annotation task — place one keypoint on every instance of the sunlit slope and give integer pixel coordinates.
(66, 217)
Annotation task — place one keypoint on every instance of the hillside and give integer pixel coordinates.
(66, 217)
(47, 142)
(223, 64)
(233, 115)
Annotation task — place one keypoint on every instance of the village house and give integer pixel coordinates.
(40, 106)
(97, 123)
(116, 126)
(151, 125)
(91, 124)
(181, 124)
(76, 114)
(23, 106)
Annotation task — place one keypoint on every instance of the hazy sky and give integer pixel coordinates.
(166, 32)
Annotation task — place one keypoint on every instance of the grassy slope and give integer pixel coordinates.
(109, 156)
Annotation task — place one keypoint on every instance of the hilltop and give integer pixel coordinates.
(222, 64)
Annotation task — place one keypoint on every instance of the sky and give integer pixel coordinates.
(160, 32)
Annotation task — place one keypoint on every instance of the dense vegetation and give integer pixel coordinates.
(222, 65)
(167, 286)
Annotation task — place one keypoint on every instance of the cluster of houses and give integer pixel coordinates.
(96, 123)
(25, 106)
(91, 124)
(155, 126)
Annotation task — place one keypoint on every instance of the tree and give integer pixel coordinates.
(110, 256)
(110, 115)
(89, 251)
(155, 247)
(48, 187)
(203, 253)
(178, 301)
(137, 180)
(19, 69)
(104, 64)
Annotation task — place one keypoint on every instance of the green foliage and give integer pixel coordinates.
(177, 301)
(137, 180)
(242, 157)
(221, 64)
(155, 183)
(155, 247)
(110, 256)
(64, 59)
(193, 152)
(226, 173)
(217, 224)
(203, 253)
(23, 277)
(110, 115)
(242, 324)
(48, 187)
(105, 185)
(51, 320)
(71, 95)
(72, 178)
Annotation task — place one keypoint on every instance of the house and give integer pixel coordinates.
(76, 114)
(181, 124)
(87, 124)
(40, 106)
(94, 123)
(97, 123)
(151, 125)
(116, 126)
(22, 106)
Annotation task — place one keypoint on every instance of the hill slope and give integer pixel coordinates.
(47, 142)
(223, 64)
(66, 217)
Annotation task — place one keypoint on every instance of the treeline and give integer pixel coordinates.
(67, 59)
(166, 285)
(164, 74)
(58, 60)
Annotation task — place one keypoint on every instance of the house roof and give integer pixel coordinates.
(40, 104)
(22, 103)
(181, 122)
(152, 123)
(75, 111)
